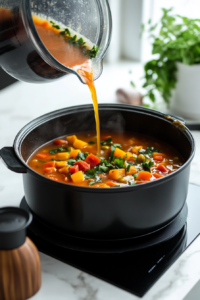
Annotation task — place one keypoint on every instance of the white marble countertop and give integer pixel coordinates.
(23, 102)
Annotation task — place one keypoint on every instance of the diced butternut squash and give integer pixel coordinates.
(71, 139)
(64, 170)
(130, 156)
(74, 153)
(116, 174)
(61, 164)
(132, 170)
(63, 156)
(143, 175)
(77, 177)
(119, 153)
(135, 149)
(78, 144)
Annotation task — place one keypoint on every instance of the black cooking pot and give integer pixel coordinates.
(95, 213)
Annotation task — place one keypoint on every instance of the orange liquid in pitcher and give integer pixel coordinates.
(70, 56)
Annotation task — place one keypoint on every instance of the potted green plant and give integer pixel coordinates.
(174, 72)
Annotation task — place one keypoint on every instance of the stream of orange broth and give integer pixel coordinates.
(72, 57)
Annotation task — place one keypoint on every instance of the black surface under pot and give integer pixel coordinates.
(92, 213)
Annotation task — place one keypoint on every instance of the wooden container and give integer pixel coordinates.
(20, 270)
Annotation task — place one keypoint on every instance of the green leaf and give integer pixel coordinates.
(80, 156)
(132, 84)
(91, 143)
(61, 149)
(147, 165)
(86, 154)
(89, 174)
(71, 162)
(132, 182)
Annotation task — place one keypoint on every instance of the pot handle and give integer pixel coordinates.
(11, 161)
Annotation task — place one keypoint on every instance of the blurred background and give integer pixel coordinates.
(128, 53)
(124, 63)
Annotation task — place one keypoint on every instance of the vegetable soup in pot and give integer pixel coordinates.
(125, 159)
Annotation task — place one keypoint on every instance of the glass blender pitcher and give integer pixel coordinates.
(22, 53)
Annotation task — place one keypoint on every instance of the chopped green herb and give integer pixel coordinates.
(92, 182)
(71, 162)
(119, 162)
(98, 179)
(149, 151)
(91, 143)
(54, 151)
(147, 165)
(103, 169)
(91, 53)
(135, 175)
(128, 168)
(132, 182)
(117, 145)
(89, 174)
(80, 156)
(86, 154)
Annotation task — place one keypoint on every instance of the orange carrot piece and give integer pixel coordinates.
(157, 175)
(50, 164)
(143, 175)
(162, 168)
(42, 155)
(110, 183)
(142, 181)
(49, 170)
(158, 157)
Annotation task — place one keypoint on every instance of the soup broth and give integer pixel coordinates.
(125, 159)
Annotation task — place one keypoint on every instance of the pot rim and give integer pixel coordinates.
(87, 107)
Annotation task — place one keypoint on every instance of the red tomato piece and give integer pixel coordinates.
(92, 160)
(50, 164)
(74, 169)
(162, 168)
(60, 142)
(83, 166)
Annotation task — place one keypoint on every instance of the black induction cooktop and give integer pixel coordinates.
(131, 265)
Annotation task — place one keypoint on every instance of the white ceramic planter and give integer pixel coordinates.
(186, 97)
